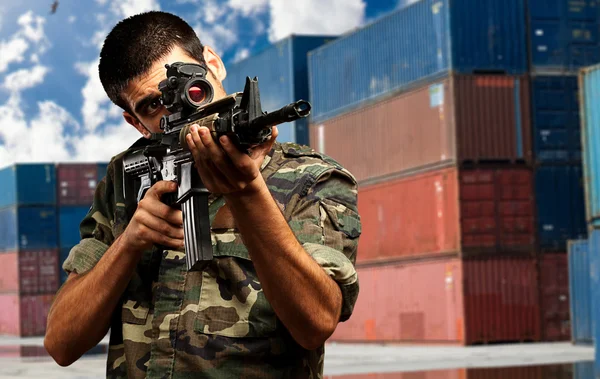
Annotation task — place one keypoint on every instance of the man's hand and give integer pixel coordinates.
(227, 170)
(154, 222)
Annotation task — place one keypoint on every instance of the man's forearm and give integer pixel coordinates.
(76, 325)
(304, 297)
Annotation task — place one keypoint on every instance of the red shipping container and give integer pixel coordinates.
(76, 183)
(471, 211)
(449, 300)
(24, 316)
(30, 272)
(554, 297)
(524, 372)
(459, 119)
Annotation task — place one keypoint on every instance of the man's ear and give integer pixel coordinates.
(214, 62)
(136, 124)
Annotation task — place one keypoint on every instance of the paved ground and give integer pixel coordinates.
(340, 359)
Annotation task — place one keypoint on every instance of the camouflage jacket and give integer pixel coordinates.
(217, 323)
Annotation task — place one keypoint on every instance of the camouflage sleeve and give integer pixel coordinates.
(327, 224)
(95, 229)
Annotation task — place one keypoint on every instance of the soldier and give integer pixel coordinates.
(284, 226)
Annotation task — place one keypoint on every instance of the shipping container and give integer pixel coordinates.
(24, 316)
(564, 35)
(560, 204)
(554, 297)
(465, 118)
(102, 167)
(518, 372)
(556, 123)
(282, 71)
(594, 252)
(415, 45)
(580, 296)
(76, 183)
(69, 219)
(448, 211)
(28, 228)
(447, 300)
(583, 370)
(29, 272)
(589, 84)
(28, 184)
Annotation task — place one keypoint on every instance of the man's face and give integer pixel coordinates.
(143, 96)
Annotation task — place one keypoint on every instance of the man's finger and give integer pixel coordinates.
(162, 187)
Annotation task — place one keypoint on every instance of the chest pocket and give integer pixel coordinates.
(232, 302)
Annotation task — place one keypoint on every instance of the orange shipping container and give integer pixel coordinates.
(467, 211)
(461, 118)
(449, 300)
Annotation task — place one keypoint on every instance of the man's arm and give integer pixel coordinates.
(82, 311)
(303, 296)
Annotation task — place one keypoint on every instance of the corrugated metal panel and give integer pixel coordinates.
(28, 228)
(28, 184)
(554, 297)
(501, 300)
(409, 131)
(583, 370)
(564, 35)
(416, 48)
(76, 183)
(491, 300)
(594, 251)
(492, 118)
(417, 129)
(411, 216)
(282, 78)
(559, 197)
(69, 219)
(29, 272)
(579, 279)
(419, 215)
(589, 84)
(496, 208)
(395, 304)
(556, 124)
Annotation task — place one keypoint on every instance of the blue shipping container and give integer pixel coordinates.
(28, 184)
(564, 35)
(589, 85)
(282, 71)
(102, 167)
(414, 45)
(583, 370)
(556, 123)
(560, 206)
(579, 287)
(594, 251)
(69, 219)
(32, 227)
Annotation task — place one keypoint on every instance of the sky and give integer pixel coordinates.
(52, 105)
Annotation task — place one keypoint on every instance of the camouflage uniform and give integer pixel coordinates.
(217, 323)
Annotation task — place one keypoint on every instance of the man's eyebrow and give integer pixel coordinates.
(145, 101)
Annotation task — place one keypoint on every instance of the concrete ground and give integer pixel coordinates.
(340, 359)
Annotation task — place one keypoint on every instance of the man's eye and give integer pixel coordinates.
(153, 106)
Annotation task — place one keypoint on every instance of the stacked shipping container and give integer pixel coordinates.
(28, 247)
(467, 154)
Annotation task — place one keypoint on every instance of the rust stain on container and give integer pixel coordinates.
(492, 299)
(554, 297)
(466, 211)
(461, 119)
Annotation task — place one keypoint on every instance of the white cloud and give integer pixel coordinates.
(72, 19)
(32, 27)
(12, 51)
(249, 7)
(217, 36)
(126, 8)
(94, 147)
(97, 107)
(25, 78)
(314, 17)
(241, 54)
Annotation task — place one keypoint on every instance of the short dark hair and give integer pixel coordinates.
(136, 43)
